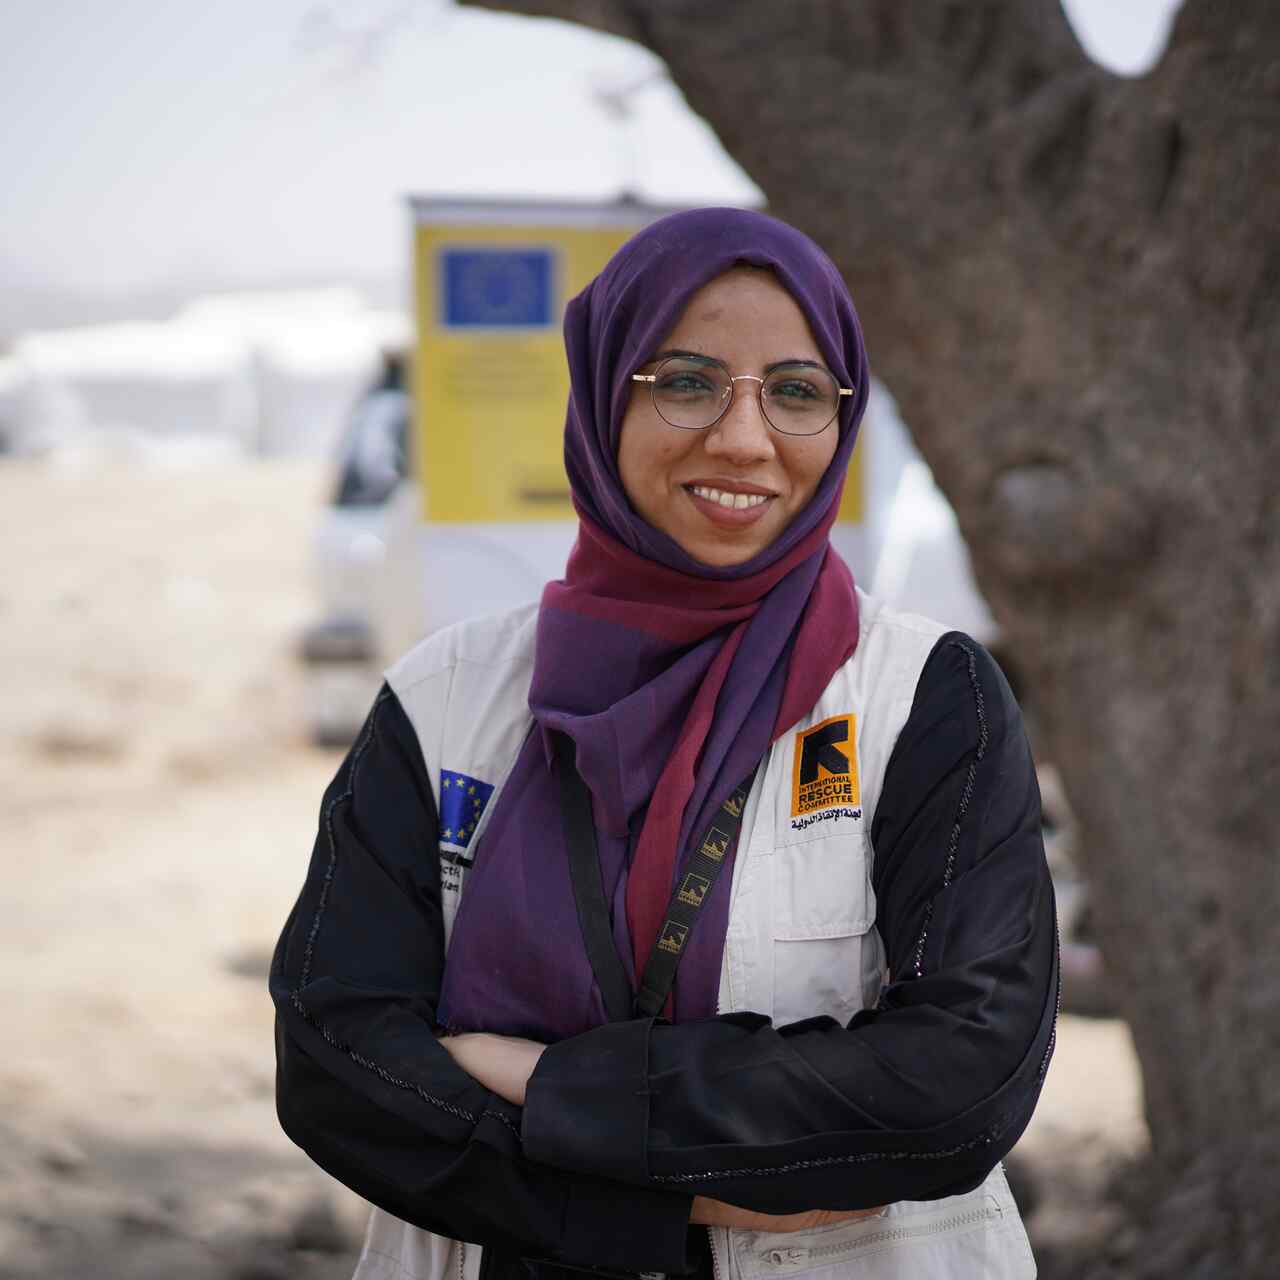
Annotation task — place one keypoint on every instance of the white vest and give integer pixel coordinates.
(801, 937)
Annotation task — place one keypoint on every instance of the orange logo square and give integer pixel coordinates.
(825, 773)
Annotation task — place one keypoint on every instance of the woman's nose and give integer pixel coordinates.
(743, 434)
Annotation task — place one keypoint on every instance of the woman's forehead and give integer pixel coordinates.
(746, 311)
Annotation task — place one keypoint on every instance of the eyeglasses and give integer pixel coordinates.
(693, 393)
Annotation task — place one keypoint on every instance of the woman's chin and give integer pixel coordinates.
(725, 550)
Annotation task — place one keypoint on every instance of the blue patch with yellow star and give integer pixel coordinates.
(462, 801)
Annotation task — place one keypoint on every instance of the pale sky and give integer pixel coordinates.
(154, 145)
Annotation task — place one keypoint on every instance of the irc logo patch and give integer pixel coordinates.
(825, 774)
(462, 801)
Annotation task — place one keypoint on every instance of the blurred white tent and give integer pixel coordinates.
(313, 352)
(122, 381)
(269, 373)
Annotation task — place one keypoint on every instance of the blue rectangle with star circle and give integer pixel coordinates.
(462, 801)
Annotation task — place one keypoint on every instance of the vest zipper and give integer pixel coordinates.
(462, 1260)
(785, 1258)
(715, 1256)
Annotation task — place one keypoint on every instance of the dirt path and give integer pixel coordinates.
(161, 802)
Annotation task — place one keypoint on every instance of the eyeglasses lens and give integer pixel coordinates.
(797, 399)
(691, 393)
(800, 399)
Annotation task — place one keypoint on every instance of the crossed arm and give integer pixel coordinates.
(504, 1064)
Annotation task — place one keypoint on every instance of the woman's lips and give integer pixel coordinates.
(730, 517)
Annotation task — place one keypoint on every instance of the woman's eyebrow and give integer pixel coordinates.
(792, 362)
(789, 362)
(687, 355)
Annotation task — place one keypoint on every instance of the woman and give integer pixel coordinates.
(705, 779)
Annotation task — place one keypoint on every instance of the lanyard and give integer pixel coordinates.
(696, 882)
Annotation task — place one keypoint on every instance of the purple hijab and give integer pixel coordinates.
(671, 677)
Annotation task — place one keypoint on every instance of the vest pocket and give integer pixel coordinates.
(824, 946)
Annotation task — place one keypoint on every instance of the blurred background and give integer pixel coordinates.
(228, 233)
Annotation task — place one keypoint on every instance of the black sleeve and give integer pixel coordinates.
(916, 1099)
(362, 1084)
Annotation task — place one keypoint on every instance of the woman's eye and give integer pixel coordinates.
(794, 389)
(684, 384)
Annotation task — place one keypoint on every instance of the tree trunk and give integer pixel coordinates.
(1071, 283)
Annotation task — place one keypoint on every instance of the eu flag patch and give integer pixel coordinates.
(462, 801)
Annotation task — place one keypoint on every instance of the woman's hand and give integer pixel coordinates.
(715, 1213)
(503, 1064)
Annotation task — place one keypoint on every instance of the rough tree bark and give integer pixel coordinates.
(1071, 283)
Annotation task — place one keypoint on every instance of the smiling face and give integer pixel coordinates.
(726, 493)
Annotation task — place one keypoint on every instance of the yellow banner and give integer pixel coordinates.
(490, 380)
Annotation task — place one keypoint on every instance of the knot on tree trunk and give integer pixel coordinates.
(1045, 520)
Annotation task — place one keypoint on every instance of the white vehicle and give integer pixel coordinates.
(341, 650)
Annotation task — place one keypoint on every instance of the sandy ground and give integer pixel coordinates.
(160, 800)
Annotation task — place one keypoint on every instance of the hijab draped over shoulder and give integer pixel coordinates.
(671, 677)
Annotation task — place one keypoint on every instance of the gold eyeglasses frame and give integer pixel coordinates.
(652, 378)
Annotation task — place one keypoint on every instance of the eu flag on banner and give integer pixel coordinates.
(497, 288)
(462, 801)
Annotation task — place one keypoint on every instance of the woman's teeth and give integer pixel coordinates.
(738, 501)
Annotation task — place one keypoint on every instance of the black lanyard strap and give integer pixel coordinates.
(588, 888)
(695, 887)
(696, 883)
